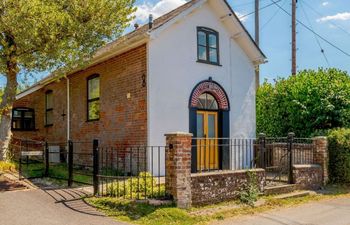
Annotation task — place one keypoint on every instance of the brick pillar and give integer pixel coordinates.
(321, 155)
(178, 168)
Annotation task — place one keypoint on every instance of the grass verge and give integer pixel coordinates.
(57, 171)
(142, 213)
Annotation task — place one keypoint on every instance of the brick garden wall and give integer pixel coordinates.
(211, 187)
(307, 176)
(214, 187)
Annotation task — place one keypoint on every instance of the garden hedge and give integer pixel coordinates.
(310, 103)
(339, 155)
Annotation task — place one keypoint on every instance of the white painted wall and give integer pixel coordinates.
(174, 72)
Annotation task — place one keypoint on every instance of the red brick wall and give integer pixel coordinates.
(36, 100)
(122, 119)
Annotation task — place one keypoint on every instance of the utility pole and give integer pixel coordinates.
(294, 38)
(257, 40)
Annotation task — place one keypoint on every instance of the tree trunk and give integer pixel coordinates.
(5, 136)
(6, 112)
(9, 97)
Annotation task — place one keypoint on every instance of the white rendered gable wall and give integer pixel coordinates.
(173, 73)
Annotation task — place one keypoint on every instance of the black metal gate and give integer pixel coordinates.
(70, 161)
(31, 162)
(274, 157)
(278, 156)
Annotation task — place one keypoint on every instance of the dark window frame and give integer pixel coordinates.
(208, 32)
(91, 77)
(48, 109)
(22, 118)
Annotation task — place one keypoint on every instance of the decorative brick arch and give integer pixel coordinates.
(213, 88)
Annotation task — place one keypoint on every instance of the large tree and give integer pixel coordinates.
(48, 35)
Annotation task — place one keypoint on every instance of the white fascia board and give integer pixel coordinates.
(156, 32)
(29, 91)
(239, 33)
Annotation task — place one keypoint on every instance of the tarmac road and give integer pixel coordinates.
(49, 207)
(327, 212)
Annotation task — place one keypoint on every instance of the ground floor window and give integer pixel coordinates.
(23, 119)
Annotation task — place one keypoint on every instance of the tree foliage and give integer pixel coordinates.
(312, 101)
(48, 34)
(52, 35)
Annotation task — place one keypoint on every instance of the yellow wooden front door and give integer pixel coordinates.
(207, 140)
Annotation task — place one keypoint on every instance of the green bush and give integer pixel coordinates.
(7, 166)
(339, 155)
(311, 102)
(143, 186)
(250, 192)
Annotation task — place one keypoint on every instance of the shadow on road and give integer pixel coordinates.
(73, 198)
(9, 185)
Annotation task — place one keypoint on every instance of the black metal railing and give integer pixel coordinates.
(223, 153)
(127, 171)
(276, 155)
(138, 171)
(133, 172)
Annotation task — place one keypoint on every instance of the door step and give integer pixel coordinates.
(296, 194)
(280, 189)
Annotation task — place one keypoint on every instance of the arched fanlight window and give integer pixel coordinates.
(207, 101)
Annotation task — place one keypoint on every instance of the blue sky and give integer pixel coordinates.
(329, 18)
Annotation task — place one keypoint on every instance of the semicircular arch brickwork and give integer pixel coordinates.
(212, 88)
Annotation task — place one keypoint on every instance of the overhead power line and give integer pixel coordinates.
(264, 7)
(311, 30)
(247, 3)
(273, 16)
(318, 41)
(322, 15)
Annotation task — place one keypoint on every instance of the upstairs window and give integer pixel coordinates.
(23, 119)
(48, 108)
(93, 98)
(208, 46)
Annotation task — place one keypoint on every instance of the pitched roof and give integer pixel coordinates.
(143, 30)
(156, 24)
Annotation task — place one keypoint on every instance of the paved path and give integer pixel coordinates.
(330, 212)
(49, 207)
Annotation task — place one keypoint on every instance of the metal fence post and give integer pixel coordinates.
(95, 165)
(262, 141)
(290, 150)
(20, 162)
(46, 174)
(70, 163)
